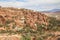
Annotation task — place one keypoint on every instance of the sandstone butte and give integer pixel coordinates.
(17, 18)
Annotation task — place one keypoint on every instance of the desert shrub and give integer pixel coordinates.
(39, 38)
(26, 37)
(2, 31)
(1, 25)
(14, 25)
(9, 21)
(53, 24)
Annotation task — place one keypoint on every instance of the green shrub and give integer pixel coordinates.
(26, 37)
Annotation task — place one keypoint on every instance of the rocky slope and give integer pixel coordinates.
(30, 24)
(21, 18)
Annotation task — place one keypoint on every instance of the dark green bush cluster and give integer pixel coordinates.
(54, 24)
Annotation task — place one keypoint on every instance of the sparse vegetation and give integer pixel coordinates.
(26, 37)
(54, 24)
(42, 30)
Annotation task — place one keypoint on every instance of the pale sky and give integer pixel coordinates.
(39, 5)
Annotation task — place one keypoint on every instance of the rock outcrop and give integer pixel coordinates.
(21, 17)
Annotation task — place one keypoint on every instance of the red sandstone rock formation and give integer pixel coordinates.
(22, 17)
